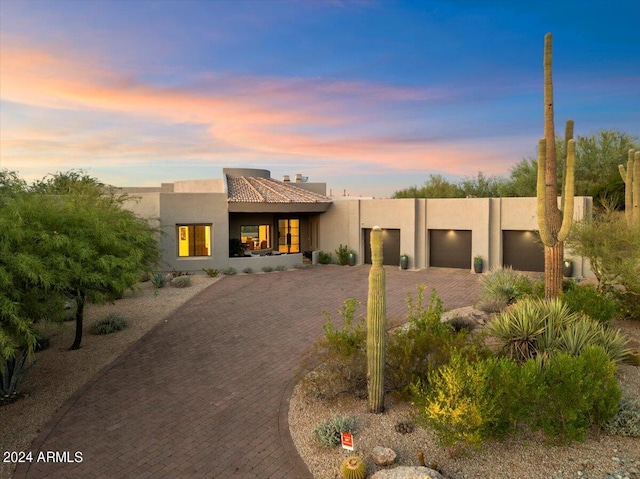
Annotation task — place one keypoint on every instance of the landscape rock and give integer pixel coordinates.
(408, 472)
(383, 456)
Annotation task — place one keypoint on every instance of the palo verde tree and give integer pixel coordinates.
(554, 224)
(376, 325)
(91, 248)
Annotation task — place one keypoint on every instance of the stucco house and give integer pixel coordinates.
(204, 222)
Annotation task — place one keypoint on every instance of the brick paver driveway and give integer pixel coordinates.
(206, 393)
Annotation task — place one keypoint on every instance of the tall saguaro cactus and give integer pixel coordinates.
(376, 327)
(554, 224)
(631, 178)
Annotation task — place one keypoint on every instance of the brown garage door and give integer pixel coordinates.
(390, 246)
(522, 250)
(450, 248)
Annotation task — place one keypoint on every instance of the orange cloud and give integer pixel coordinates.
(306, 119)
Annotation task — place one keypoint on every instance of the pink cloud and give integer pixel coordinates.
(306, 119)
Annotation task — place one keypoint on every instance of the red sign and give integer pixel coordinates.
(347, 440)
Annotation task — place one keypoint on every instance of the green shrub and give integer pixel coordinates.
(467, 402)
(324, 258)
(588, 300)
(341, 353)
(576, 393)
(267, 269)
(108, 325)
(328, 432)
(461, 406)
(229, 271)
(501, 287)
(627, 421)
(247, 270)
(342, 255)
(425, 344)
(181, 282)
(281, 267)
(211, 272)
(158, 280)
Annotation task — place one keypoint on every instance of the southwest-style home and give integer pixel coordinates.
(248, 219)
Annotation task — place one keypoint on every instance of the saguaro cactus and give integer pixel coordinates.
(376, 328)
(554, 224)
(631, 178)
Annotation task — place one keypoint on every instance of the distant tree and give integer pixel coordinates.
(483, 186)
(596, 175)
(435, 187)
(83, 245)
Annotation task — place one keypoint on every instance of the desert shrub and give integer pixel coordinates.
(328, 432)
(211, 272)
(467, 402)
(596, 304)
(501, 287)
(544, 327)
(342, 254)
(463, 405)
(425, 344)
(576, 393)
(12, 370)
(341, 353)
(159, 280)
(247, 270)
(627, 421)
(108, 325)
(229, 271)
(267, 269)
(181, 282)
(281, 267)
(324, 258)
(145, 276)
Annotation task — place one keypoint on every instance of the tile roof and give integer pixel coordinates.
(253, 189)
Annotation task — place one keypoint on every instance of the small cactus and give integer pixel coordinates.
(404, 427)
(353, 467)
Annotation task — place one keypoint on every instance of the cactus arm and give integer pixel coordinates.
(568, 135)
(568, 188)
(545, 235)
(623, 173)
(636, 189)
(376, 327)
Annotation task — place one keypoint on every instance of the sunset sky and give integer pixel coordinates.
(367, 96)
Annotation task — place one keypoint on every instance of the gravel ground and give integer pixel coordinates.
(59, 372)
(526, 457)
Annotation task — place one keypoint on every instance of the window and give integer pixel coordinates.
(194, 240)
(256, 236)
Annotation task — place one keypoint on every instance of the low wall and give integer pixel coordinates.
(256, 263)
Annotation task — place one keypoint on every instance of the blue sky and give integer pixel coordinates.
(367, 96)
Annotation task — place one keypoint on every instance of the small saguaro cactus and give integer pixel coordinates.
(631, 178)
(376, 328)
(353, 468)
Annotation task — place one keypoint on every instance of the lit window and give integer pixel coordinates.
(256, 237)
(194, 240)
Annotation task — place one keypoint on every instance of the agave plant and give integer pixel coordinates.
(519, 328)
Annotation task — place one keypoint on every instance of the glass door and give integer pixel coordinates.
(289, 235)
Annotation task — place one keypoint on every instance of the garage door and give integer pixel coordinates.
(450, 248)
(390, 246)
(522, 250)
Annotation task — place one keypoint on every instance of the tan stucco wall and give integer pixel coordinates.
(194, 208)
(200, 186)
(485, 217)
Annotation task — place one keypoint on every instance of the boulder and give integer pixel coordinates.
(408, 472)
(383, 456)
